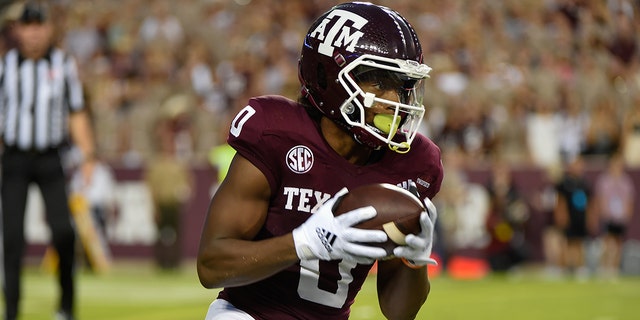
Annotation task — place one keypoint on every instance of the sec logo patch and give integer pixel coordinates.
(300, 159)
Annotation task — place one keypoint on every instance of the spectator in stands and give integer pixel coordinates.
(162, 26)
(196, 73)
(542, 131)
(615, 196)
(171, 185)
(82, 38)
(602, 135)
(574, 123)
(510, 134)
(464, 208)
(506, 223)
(543, 204)
(623, 42)
(574, 215)
(94, 184)
(631, 134)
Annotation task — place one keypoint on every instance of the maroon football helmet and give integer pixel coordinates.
(361, 42)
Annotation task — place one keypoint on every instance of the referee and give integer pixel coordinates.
(41, 105)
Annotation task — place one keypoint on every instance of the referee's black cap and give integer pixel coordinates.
(33, 12)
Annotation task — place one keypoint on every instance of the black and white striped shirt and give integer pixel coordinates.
(36, 98)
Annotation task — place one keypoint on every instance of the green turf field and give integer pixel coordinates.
(136, 291)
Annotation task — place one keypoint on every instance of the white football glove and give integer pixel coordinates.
(326, 237)
(418, 249)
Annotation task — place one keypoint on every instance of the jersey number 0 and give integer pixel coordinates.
(308, 287)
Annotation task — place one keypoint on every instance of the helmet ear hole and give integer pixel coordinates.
(321, 76)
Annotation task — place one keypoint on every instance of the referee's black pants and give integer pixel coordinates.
(19, 170)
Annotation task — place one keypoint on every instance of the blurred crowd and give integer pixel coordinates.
(533, 82)
(515, 84)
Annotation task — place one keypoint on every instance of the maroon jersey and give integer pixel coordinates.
(278, 137)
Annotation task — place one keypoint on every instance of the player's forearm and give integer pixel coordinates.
(232, 262)
(402, 291)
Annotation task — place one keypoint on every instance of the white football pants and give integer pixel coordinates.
(221, 309)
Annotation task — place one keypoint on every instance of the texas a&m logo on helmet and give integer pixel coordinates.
(345, 31)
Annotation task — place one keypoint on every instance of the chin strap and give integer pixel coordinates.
(403, 148)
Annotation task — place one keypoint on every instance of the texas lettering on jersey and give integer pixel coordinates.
(302, 199)
(299, 199)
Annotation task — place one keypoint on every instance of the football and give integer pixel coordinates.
(398, 211)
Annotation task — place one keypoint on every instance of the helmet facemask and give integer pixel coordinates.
(398, 129)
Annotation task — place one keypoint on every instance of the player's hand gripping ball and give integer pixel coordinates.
(398, 212)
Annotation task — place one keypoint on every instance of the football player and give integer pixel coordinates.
(270, 238)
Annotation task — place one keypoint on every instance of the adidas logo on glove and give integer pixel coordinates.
(326, 237)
